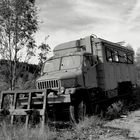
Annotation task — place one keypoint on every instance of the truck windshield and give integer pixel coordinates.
(68, 62)
(51, 65)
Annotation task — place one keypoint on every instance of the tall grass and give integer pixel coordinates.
(83, 130)
(12, 132)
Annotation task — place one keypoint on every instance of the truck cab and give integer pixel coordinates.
(66, 74)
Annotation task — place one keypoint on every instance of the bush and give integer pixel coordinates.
(114, 110)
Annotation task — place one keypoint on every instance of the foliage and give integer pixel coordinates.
(18, 23)
(9, 132)
(44, 50)
(27, 74)
(114, 110)
(138, 57)
(137, 62)
(84, 130)
(91, 129)
(129, 46)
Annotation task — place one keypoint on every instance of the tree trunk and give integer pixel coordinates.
(15, 58)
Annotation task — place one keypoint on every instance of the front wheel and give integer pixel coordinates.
(77, 112)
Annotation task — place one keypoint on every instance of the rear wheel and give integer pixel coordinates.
(77, 112)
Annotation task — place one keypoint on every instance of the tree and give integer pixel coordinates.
(18, 23)
(44, 50)
(129, 46)
(138, 57)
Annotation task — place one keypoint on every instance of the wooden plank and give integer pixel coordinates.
(29, 105)
(1, 102)
(44, 109)
(24, 103)
(13, 107)
(23, 98)
(22, 112)
(34, 99)
(37, 103)
(34, 103)
(40, 99)
(24, 91)
(18, 112)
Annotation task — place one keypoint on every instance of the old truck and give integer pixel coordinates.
(83, 76)
(87, 73)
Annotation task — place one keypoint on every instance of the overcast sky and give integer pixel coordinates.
(65, 20)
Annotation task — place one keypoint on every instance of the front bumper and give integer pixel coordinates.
(58, 98)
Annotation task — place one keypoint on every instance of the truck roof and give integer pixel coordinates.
(70, 54)
(116, 45)
(85, 44)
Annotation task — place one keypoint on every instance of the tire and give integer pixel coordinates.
(77, 112)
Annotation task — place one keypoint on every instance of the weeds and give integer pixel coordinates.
(114, 110)
(9, 132)
(79, 131)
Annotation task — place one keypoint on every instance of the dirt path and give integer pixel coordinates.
(129, 123)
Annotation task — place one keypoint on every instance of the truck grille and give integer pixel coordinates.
(48, 84)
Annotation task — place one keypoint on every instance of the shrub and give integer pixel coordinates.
(114, 110)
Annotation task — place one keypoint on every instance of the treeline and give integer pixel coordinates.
(26, 75)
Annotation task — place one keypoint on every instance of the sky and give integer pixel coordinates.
(66, 20)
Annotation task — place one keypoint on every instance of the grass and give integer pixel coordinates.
(9, 132)
(89, 129)
(83, 130)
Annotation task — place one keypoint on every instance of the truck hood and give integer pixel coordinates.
(60, 75)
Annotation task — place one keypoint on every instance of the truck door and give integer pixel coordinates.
(89, 71)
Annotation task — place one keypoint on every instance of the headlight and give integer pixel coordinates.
(62, 90)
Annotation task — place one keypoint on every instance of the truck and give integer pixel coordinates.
(83, 77)
(87, 73)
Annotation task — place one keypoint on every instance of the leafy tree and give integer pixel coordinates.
(129, 46)
(18, 23)
(44, 50)
(138, 57)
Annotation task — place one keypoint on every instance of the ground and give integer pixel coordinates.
(130, 124)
